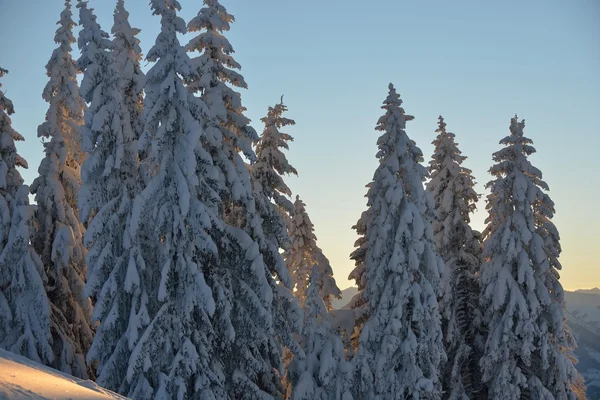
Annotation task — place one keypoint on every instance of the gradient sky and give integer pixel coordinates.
(475, 62)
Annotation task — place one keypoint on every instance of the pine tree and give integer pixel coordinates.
(324, 373)
(526, 352)
(24, 306)
(304, 254)
(58, 237)
(170, 332)
(127, 55)
(268, 171)
(109, 182)
(255, 311)
(400, 349)
(218, 70)
(451, 185)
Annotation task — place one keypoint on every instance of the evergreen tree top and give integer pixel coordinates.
(9, 177)
(91, 36)
(445, 146)
(64, 34)
(271, 160)
(167, 43)
(65, 111)
(123, 30)
(213, 20)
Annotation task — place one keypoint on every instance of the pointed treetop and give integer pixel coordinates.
(92, 39)
(122, 27)
(393, 101)
(213, 17)
(441, 124)
(64, 34)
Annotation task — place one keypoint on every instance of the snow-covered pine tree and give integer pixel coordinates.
(527, 347)
(451, 185)
(59, 233)
(304, 254)
(400, 350)
(127, 55)
(170, 333)
(24, 306)
(255, 310)
(323, 374)
(268, 171)
(109, 182)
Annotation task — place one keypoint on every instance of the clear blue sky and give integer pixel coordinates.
(475, 62)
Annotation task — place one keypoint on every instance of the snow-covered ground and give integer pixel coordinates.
(22, 379)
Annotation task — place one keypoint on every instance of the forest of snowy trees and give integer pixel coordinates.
(165, 256)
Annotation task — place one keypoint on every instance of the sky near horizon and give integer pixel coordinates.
(477, 63)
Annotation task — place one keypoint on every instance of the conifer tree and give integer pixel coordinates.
(400, 348)
(527, 348)
(324, 373)
(59, 235)
(451, 185)
(170, 333)
(255, 311)
(127, 55)
(304, 254)
(24, 306)
(109, 182)
(271, 165)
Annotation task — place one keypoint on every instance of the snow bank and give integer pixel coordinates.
(21, 378)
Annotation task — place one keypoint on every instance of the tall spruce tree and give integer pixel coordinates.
(324, 373)
(59, 235)
(255, 311)
(304, 254)
(127, 54)
(400, 349)
(109, 182)
(170, 333)
(24, 306)
(451, 185)
(527, 348)
(268, 171)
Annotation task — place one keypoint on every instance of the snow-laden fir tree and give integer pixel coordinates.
(323, 374)
(527, 347)
(59, 233)
(24, 307)
(128, 54)
(170, 333)
(400, 348)
(109, 181)
(451, 185)
(219, 76)
(268, 171)
(255, 310)
(304, 254)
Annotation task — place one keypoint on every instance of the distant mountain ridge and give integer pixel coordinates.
(347, 295)
(589, 291)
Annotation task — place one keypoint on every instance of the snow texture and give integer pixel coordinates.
(451, 186)
(23, 379)
(400, 347)
(59, 235)
(304, 254)
(528, 345)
